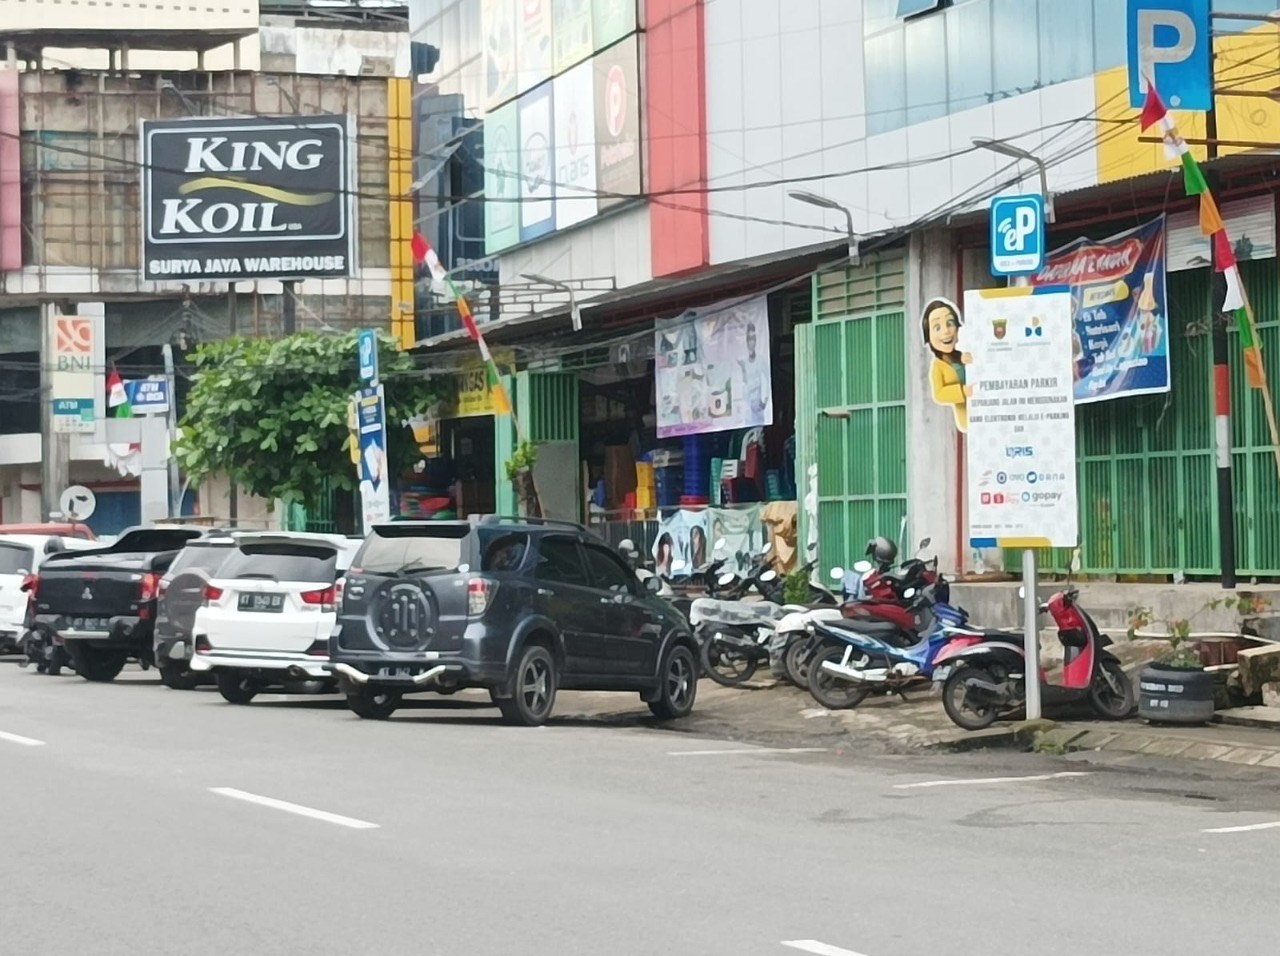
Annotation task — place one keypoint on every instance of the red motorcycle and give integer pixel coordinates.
(983, 674)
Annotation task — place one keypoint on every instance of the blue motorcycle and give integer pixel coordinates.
(860, 656)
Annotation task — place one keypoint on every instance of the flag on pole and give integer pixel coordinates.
(1253, 371)
(1154, 113)
(125, 457)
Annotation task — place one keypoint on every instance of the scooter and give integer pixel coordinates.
(861, 656)
(984, 675)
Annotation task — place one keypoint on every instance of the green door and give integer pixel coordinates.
(547, 406)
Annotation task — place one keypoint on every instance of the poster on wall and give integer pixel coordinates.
(573, 94)
(1121, 328)
(572, 41)
(498, 25)
(371, 424)
(682, 538)
(1020, 459)
(533, 43)
(743, 535)
(537, 182)
(617, 125)
(501, 179)
(712, 369)
(611, 21)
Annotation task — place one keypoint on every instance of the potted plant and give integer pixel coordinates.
(1175, 688)
(520, 473)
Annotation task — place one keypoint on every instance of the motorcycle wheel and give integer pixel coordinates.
(727, 668)
(964, 713)
(1111, 693)
(832, 692)
(795, 661)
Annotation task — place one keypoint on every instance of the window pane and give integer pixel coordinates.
(1066, 41)
(281, 562)
(558, 561)
(1109, 49)
(886, 83)
(926, 58)
(878, 15)
(1017, 66)
(609, 573)
(15, 558)
(969, 55)
(907, 8)
(504, 552)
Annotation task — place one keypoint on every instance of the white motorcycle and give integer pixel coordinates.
(793, 629)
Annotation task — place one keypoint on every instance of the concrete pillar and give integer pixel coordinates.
(934, 502)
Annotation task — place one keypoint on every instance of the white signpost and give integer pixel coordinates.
(1021, 448)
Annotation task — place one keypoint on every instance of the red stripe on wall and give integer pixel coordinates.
(10, 172)
(676, 129)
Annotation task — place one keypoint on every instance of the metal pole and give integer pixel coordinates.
(54, 447)
(290, 307)
(1031, 632)
(233, 324)
(171, 420)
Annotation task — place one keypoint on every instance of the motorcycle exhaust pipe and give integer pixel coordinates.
(878, 675)
(995, 690)
(735, 641)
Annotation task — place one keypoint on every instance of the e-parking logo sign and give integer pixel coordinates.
(1017, 235)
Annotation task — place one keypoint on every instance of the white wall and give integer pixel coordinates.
(786, 100)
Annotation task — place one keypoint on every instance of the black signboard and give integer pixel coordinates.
(248, 198)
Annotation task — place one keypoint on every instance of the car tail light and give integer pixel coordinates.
(148, 588)
(338, 588)
(325, 599)
(31, 584)
(211, 594)
(480, 593)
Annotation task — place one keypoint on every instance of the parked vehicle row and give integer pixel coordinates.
(520, 608)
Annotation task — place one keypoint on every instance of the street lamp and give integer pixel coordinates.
(574, 315)
(822, 202)
(1017, 152)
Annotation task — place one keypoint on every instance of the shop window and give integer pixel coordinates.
(1017, 67)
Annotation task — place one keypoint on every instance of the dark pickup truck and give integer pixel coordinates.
(101, 604)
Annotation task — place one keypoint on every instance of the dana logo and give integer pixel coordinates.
(1019, 451)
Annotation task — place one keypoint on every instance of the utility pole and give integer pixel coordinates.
(55, 452)
(233, 325)
(290, 307)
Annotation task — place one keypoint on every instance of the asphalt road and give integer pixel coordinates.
(135, 824)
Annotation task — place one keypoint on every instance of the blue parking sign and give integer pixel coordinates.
(1017, 235)
(1170, 41)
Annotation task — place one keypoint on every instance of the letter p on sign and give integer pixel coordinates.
(1170, 43)
(1017, 235)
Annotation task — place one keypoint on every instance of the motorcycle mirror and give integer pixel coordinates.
(862, 567)
(769, 575)
(725, 579)
(626, 545)
(909, 593)
(924, 543)
(720, 544)
(837, 574)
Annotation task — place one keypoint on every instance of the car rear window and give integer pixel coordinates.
(440, 549)
(281, 562)
(15, 558)
(206, 557)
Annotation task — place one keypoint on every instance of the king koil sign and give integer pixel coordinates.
(248, 198)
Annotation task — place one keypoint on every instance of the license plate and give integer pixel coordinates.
(90, 623)
(261, 602)
(396, 673)
(941, 674)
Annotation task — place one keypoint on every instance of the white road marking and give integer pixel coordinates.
(818, 948)
(746, 750)
(24, 741)
(300, 810)
(976, 781)
(1244, 829)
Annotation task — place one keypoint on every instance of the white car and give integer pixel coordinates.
(20, 558)
(268, 612)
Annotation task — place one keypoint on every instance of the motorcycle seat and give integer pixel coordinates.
(870, 628)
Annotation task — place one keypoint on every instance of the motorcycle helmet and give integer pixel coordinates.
(882, 551)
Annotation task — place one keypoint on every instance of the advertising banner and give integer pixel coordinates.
(502, 179)
(743, 535)
(533, 42)
(617, 126)
(612, 20)
(572, 32)
(475, 396)
(148, 396)
(1020, 459)
(371, 437)
(575, 145)
(1120, 340)
(77, 380)
(682, 536)
(248, 198)
(498, 25)
(713, 369)
(537, 182)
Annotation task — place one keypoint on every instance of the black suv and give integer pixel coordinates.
(521, 607)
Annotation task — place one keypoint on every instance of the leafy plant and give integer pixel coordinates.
(519, 470)
(1182, 650)
(796, 587)
(522, 459)
(272, 414)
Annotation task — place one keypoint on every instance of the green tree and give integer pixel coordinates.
(272, 414)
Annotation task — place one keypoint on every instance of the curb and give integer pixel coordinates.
(1075, 740)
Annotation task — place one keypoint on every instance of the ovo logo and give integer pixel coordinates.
(73, 336)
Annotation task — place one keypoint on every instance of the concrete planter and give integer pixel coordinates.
(1175, 695)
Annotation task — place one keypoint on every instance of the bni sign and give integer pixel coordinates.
(77, 384)
(1017, 235)
(248, 198)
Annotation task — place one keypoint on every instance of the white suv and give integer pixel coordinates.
(268, 612)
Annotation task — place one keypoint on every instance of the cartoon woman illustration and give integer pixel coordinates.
(698, 547)
(664, 551)
(941, 327)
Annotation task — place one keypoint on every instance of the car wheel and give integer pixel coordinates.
(178, 677)
(373, 704)
(679, 688)
(534, 692)
(97, 664)
(237, 687)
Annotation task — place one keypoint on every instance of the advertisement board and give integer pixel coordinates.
(498, 28)
(617, 126)
(1020, 457)
(537, 180)
(713, 370)
(1120, 344)
(572, 39)
(475, 396)
(248, 198)
(533, 43)
(502, 179)
(371, 435)
(77, 380)
(573, 95)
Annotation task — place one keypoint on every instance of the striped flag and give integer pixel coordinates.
(125, 457)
